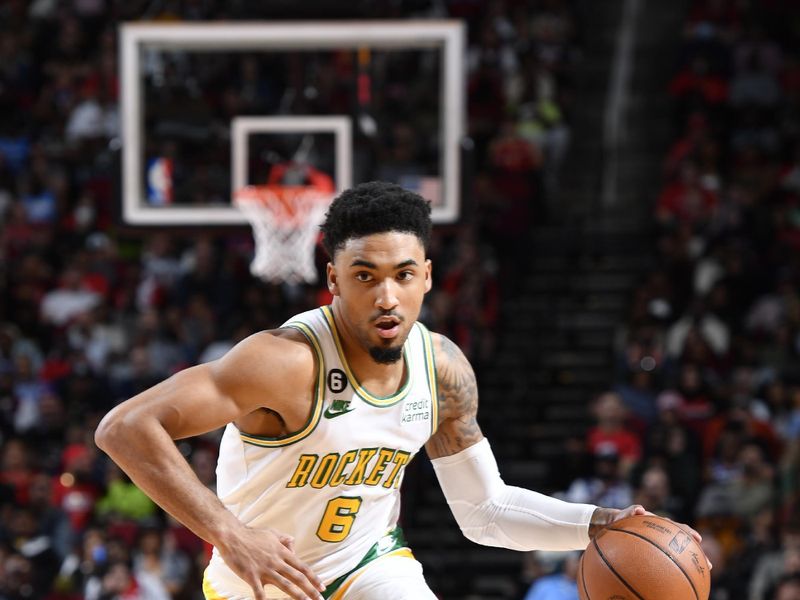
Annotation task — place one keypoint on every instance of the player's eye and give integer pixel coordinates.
(405, 275)
(363, 276)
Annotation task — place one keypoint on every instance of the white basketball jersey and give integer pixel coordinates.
(335, 484)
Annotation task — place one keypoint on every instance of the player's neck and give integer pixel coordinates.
(378, 378)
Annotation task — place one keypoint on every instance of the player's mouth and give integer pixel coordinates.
(387, 327)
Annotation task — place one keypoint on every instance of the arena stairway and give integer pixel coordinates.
(559, 342)
(555, 348)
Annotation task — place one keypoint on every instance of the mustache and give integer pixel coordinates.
(386, 313)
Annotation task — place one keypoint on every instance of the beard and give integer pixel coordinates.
(386, 356)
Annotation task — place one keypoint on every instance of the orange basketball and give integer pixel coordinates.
(643, 558)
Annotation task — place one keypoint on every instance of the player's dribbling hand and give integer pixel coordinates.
(262, 557)
(606, 516)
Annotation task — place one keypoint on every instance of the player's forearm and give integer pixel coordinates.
(528, 520)
(144, 450)
(492, 513)
(521, 519)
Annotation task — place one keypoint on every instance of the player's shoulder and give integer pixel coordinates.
(285, 342)
(445, 351)
(453, 369)
(273, 354)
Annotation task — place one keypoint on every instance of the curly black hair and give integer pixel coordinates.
(375, 207)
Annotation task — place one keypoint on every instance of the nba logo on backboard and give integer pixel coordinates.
(679, 542)
(429, 188)
(159, 181)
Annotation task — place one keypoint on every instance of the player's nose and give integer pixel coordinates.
(386, 298)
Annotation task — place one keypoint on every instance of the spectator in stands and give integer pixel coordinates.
(19, 577)
(612, 433)
(741, 551)
(122, 499)
(655, 492)
(560, 585)
(119, 582)
(473, 300)
(204, 464)
(722, 578)
(135, 375)
(514, 163)
(28, 391)
(606, 482)
(790, 475)
(698, 326)
(69, 300)
(81, 569)
(694, 137)
(161, 269)
(402, 155)
(157, 561)
(640, 347)
(52, 521)
(752, 490)
(16, 468)
(695, 404)
(771, 567)
(754, 84)
(698, 84)
(687, 200)
(638, 394)
(36, 545)
(737, 421)
(788, 588)
(75, 490)
(674, 446)
(160, 336)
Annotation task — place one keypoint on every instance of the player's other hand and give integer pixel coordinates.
(262, 557)
(606, 516)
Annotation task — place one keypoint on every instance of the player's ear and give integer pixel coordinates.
(428, 275)
(333, 287)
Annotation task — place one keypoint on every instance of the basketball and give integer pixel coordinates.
(643, 558)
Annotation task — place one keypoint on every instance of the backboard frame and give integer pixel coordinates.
(339, 125)
(450, 35)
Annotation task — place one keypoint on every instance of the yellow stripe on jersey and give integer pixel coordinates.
(430, 371)
(209, 592)
(316, 410)
(363, 393)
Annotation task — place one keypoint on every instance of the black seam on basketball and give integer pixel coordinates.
(677, 564)
(614, 571)
(583, 581)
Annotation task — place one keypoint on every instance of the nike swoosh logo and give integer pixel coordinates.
(330, 414)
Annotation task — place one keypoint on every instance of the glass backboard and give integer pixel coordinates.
(208, 108)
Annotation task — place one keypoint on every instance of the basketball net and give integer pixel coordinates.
(285, 222)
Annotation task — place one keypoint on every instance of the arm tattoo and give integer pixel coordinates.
(458, 401)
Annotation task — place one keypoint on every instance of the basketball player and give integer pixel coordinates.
(321, 418)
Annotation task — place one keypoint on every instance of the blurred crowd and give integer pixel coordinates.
(92, 313)
(702, 423)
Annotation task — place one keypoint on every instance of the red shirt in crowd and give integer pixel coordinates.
(685, 202)
(627, 444)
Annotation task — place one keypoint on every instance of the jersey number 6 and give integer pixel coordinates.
(338, 518)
